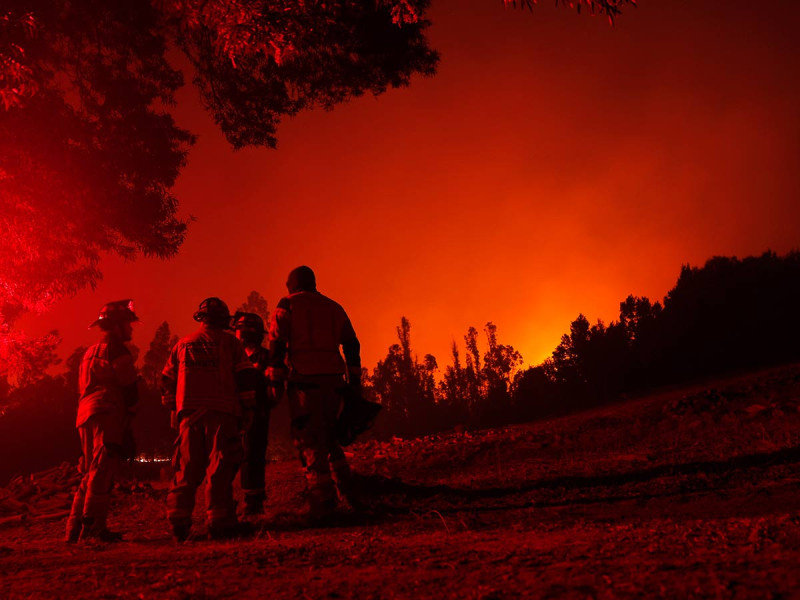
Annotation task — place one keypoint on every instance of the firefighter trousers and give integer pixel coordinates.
(101, 445)
(255, 451)
(208, 447)
(315, 403)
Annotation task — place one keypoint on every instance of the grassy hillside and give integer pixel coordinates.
(692, 492)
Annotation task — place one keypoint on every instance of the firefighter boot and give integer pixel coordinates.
(94, 529)
(73, 531)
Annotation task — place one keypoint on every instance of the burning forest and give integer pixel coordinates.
(513, 316)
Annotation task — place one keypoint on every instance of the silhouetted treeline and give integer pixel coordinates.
(474, 392)
(728, 315)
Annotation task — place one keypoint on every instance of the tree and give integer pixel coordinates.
(500, 362)
(37, 423)
(394, 379)
(637, 315)
(24, 360)
(73, 364)
(88, 155)
(405, 387)
(157, 354)
(565, 366)
(453, 388)
(89, 152)
(257, 304)
(256, 62)
(533, 393)
(639, 320)
(89, 149)
(473, 376)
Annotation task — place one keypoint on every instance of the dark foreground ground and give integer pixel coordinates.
(691, 493)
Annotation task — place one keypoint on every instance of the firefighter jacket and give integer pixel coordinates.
(305, 335)
(208, 370)
(107, 379)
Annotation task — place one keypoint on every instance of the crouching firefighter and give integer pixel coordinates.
(108, 386)
(210, 383)
(249, 329)
(306, 333)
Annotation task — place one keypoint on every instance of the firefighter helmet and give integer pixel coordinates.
(119, 311)
(301, 279)
(214, 312)
(246, 321)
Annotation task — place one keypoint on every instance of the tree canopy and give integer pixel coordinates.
(89, 151)
(89, 148)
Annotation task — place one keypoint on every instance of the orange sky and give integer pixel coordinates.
(553, 166)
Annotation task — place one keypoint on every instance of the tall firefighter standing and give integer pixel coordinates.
(305, 337)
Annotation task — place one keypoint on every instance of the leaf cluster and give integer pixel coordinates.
(87, 163)
(258, 62)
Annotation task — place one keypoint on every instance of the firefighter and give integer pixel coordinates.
(108, 386)
(306, 334)
(210, 383)
(249, 329)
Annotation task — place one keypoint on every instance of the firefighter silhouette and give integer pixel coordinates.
(249, 328)
(210, 383)
(314, 354)
(108, 386)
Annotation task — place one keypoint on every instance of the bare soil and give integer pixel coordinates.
(690, 493)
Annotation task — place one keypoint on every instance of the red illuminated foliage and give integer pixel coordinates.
(88, 160)
(24, 360)
(256, 62)
(88, 149)
(16, 79)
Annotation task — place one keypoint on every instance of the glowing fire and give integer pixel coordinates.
(144, 458)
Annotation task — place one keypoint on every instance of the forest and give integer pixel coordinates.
(727, 316)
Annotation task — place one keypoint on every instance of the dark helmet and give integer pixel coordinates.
(249, 322)
(301, 279)
(250, 327)
(213, 311)
(119, 311)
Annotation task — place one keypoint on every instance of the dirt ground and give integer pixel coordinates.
(690, 493)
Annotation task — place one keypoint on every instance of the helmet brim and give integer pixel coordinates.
(131, 319)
